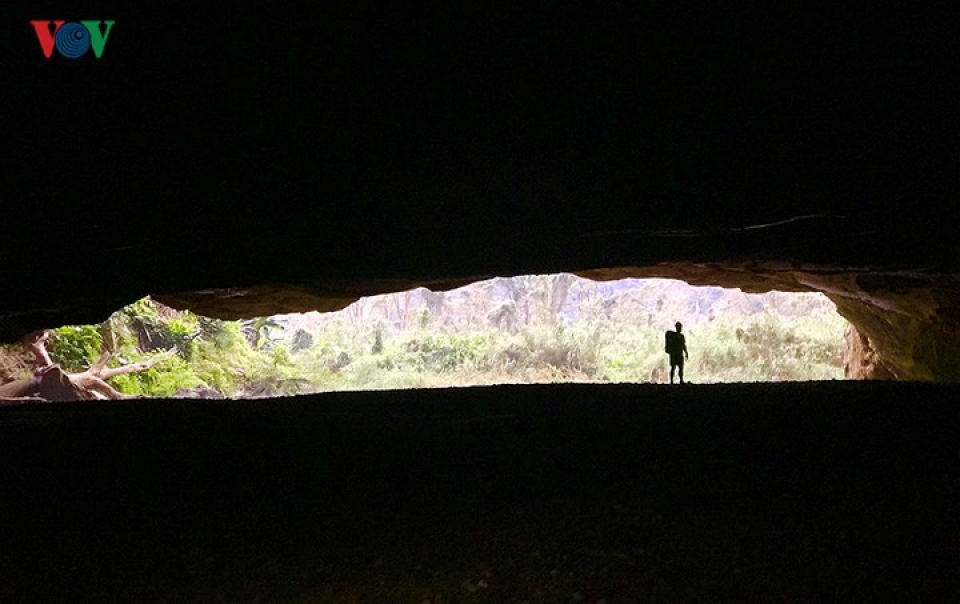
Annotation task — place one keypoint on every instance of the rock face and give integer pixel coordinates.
(433, 150)
(860, 361)
(905, 327)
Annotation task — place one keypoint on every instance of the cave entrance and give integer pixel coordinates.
(524, 329)
(561, 327)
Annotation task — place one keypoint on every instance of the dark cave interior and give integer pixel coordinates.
(353, 150)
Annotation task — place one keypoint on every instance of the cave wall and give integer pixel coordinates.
(860, 360)
(907, 327)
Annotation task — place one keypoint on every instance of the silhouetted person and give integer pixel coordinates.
(676, 347)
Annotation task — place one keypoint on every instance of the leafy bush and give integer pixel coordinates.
(161, 380)
(602, 343)
(75, 347)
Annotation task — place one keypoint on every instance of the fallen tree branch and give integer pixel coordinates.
(50, 383)
(20, 388)
(110, 372)
(101, 362)
(98, 387)
(19, 400)
(38, 346)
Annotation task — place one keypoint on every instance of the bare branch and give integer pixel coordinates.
(38, 346)
(94, 384)
(8, 400)
(55, 385)
(97, 368)
(20, 388)
(110, 372)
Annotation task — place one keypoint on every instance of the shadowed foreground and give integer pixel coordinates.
(560, 493)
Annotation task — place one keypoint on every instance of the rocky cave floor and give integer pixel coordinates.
(551, 493)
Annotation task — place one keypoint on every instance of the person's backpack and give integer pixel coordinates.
(668, 341)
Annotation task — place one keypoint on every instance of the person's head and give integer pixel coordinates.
(679, 327)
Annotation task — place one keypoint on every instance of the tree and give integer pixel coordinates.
(51, 383)
(259, 331)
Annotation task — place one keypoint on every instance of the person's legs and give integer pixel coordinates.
(676, 361)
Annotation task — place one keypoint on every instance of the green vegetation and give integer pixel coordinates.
(549, 328)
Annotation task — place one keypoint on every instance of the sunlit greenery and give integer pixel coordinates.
(428, 348)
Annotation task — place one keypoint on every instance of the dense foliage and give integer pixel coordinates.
(529, 338)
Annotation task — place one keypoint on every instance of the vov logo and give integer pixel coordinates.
(72, 40)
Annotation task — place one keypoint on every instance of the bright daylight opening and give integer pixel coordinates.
(525, 329)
